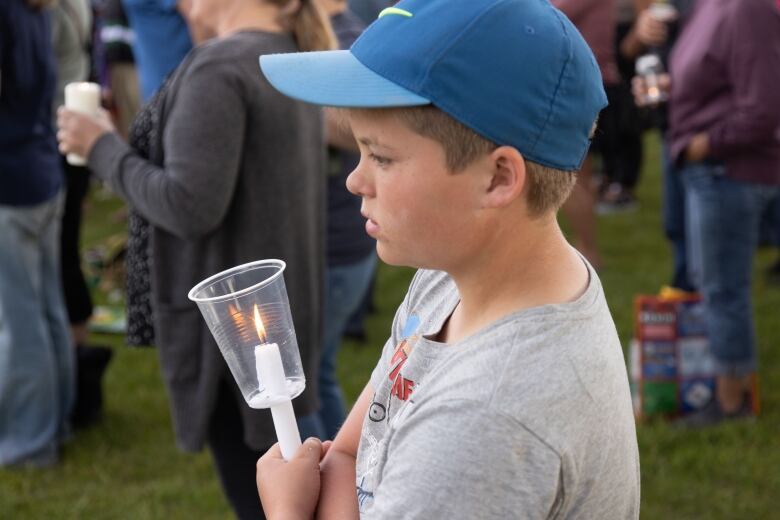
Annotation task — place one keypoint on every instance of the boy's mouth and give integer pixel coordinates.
(372, 228)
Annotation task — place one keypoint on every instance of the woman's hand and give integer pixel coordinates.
(290, 489)
(650, 31)
(698, 148)
(639, 88)
(79, 132)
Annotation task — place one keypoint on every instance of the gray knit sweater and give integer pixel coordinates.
(243, 179)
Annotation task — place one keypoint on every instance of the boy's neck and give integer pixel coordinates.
(537, 267)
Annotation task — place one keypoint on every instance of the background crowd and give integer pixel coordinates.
(218, 169)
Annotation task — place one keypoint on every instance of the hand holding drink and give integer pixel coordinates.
(654, 23)
(664, 12)
(651, 84)
(82, 97)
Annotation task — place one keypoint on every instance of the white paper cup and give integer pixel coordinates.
(82, 97)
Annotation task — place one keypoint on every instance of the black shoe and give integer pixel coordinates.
(713, 414)
(616, 199)
(91, 363)
(773, 272)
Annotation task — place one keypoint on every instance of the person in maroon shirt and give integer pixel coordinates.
(724, 133)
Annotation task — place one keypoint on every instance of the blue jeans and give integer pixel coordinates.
(345, 286)
(673, 204)
(722, 222)
(37, 386)
(771, 223)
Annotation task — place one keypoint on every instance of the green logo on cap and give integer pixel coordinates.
(396, 11)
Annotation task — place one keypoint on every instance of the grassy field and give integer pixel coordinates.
(128, 467)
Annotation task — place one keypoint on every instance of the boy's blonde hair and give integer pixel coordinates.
(548, 188)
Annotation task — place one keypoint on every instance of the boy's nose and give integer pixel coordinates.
(358, 183)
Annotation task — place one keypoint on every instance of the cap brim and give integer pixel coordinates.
(334, 78)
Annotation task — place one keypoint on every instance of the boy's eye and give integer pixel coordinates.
(380, 160)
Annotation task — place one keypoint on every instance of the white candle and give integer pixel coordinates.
(270, 374)
(82, 97)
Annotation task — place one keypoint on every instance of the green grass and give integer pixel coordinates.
(128, 466)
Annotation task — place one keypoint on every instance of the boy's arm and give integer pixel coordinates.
(338, 497)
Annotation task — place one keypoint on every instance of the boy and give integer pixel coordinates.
(502, 392)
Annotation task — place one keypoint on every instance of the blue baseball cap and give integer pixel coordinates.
(516, 72)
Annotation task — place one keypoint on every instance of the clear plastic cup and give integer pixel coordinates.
(247, 310)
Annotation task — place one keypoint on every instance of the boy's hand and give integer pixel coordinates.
(290, 489)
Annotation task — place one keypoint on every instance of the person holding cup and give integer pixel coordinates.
(71, 35)
(36, 358)
(231, 171)
(724, 140)
(656, 38)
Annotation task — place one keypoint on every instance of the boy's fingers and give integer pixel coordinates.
(273, 453)
(310, 449)
(326, 446)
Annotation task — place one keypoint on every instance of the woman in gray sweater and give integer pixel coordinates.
(233, 173)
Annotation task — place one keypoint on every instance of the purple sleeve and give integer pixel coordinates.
(753, 68)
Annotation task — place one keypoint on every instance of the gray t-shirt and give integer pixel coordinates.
(529, 418)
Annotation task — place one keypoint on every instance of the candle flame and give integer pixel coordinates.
(259, 326)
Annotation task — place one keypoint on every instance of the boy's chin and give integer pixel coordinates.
(390, 259)
(397, 259)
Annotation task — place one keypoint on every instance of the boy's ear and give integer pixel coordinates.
(507, 177)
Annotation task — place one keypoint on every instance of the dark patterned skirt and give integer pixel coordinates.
(140, 328)
(144, 138)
